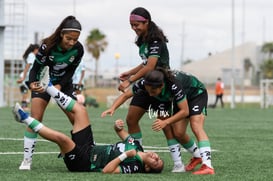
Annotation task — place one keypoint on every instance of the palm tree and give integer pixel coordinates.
(267, 69)
(267, 65)
(96, 43)
(268, 49)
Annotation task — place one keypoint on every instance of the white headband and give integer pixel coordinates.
(71, 29)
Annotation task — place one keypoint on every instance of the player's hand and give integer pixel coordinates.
(122, 87)
(124, 76)
(119, 125)
(19, 81)
(159, 124)
(36, 87)
(108, 111)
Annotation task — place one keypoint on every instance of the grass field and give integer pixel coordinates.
(242, 139)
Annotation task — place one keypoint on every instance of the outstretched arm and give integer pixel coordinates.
(119, 101)
(137, 73)
(21, 79)
(125, 75)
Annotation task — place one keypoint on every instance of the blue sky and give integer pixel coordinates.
(207, 25)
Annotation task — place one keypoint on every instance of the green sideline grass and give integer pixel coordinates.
(242, 139)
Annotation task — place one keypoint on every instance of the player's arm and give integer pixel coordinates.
(142, 70)
(151, 63)
(82, 77)
(125, 75)
(119, 101)
(24, 73)
(119, 128)
(183, 112)
(113, 166)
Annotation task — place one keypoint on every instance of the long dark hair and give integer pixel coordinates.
(29, 49)
(154, 32)
(157, 77)
(70, 23)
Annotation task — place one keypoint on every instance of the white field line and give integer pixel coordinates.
(147, 148)
(21, 153)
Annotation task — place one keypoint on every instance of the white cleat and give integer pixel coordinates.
(178, 168)
(25, 165)
(44, 78)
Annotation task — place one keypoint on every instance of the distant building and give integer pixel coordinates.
(246, 66)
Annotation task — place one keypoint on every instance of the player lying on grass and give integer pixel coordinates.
(175, 99)
(80, 152)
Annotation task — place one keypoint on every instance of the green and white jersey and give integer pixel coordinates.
(62, 63)
(158, 49)
(101, 155)
(191, 85)
(185, 86)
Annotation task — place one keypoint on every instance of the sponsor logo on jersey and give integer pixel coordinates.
(51, 58)
(174, 87)
(131, 141)
(43, 59)
(95, 157)
(154, 50)
(195, 108)
(60, 66)
(72, 157)
(72, 58)
(179, 95)
(43, 47)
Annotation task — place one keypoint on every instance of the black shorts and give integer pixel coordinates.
(153, 106)
(79, 158)
(67, 89)
(197, 105)
(23, 89)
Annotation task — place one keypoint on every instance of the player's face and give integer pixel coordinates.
(69, 39)
(35, 51)
(153, 161)
(139, 27)
(153, 91)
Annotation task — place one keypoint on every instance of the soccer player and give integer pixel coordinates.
(78, 82)
(179, 98)
(189, 97)
(153, 50)
(62, 52)
(80, 152)
(29, 58)
(78, 78)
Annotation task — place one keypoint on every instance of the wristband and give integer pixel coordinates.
(122, 157)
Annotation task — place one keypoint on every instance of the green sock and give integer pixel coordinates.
(192, 148)
(138, 137)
